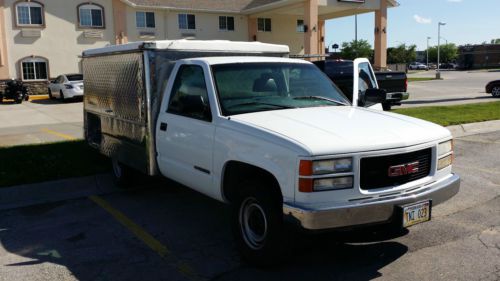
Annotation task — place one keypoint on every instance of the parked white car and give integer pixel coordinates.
(66, 86)
(417, 66)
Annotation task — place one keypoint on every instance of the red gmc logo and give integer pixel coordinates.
(405, 169)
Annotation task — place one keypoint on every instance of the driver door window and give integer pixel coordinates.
(189, 94)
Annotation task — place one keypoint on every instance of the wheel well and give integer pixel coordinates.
(236, 173)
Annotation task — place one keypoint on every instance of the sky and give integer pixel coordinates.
(467, 22)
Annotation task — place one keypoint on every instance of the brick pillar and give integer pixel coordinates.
(120, 22)
(381, 36)
(252, 29)
(4, 63)
(311, 20)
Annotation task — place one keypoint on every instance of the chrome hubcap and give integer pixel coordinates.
(253, 223)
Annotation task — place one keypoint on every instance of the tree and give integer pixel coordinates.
(402, 54)
(495, 41)
(360, 49)
(448, 53)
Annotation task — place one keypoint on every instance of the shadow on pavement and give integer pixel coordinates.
(91, 245)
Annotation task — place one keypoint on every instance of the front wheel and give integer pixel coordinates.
(50, 94)
(61, 95)
(386, 106)
(257, 224)
(496, 91)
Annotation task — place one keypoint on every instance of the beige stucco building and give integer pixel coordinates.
(40, 39)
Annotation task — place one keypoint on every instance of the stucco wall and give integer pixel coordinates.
(284, 31)
(62, 40)
(207, 27)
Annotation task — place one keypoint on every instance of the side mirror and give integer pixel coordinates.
(375, 96)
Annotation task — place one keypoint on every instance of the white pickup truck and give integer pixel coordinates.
(272, 136)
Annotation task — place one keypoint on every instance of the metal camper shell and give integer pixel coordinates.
(123, 88)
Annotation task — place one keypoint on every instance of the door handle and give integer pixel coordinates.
(163, 126)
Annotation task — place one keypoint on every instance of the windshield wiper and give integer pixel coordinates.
(319, 98)
(261, 103)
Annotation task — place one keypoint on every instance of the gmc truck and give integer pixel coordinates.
(269, 135)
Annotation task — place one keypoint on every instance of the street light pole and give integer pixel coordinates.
(356, 33)
(438, 73)
(428, 51)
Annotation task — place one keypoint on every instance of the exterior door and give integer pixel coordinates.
(185, 131)
(364, 79)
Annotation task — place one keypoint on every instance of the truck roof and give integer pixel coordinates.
(246, 59)
(193, 46)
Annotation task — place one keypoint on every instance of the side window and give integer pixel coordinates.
(189, 96)
(60, 79)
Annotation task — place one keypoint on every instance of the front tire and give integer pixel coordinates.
(50, 94)
(495, 92)
(258, 226)
(61, 95)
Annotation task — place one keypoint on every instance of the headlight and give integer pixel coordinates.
(445, 154)
(68, 86)
(445, 147)
(331, 166)
(332, 183)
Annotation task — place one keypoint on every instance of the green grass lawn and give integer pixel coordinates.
(455, 114)
(43, 162)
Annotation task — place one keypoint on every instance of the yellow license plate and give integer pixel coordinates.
(416, 213)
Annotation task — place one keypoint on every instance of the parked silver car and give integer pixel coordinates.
(66, 86)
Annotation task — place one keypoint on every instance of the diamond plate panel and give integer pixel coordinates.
(114, 86)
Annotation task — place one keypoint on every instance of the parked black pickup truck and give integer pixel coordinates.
(341, 73)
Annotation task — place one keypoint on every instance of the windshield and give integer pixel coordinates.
(252, 87)
(75, 77)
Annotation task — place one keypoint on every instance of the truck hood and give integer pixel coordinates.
(344, 129)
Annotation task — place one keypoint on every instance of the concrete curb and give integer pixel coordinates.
(54, 191)
(39, 97)
(474, 128)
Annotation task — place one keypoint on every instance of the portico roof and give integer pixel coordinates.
(246, 6)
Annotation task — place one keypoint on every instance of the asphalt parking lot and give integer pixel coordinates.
(457, 87)
(163, 231)
(40, 121)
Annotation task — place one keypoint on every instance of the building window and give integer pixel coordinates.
(187, 21)
(145, 19)
(29, 13)
(300, 26)
(264, 24)
(91, 15)
(226, 23)
(34, 69)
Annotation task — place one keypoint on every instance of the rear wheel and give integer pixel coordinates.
(257, 224)
(122, 174)
(495, 91)
(19, 98)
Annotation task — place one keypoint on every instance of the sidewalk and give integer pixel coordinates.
(474, 128)
(54, 191)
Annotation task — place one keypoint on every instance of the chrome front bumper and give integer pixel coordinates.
(371, 210)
